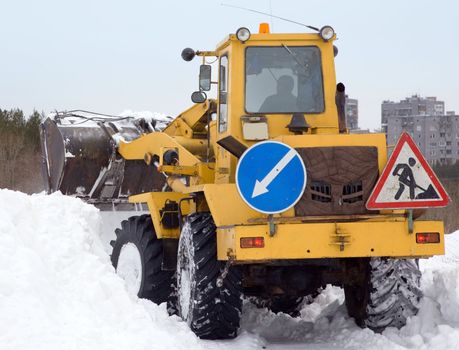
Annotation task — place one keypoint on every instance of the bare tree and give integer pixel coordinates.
(19, 150)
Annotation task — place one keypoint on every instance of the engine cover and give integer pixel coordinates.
(339, 180)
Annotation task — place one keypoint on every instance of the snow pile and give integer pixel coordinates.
(437, 324)
(323, 324)
(58, 290)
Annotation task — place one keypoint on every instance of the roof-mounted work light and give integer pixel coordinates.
(326, 33)
(243, 34)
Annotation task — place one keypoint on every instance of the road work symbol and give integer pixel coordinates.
(407, 181)
(406, 177)
(270, 177)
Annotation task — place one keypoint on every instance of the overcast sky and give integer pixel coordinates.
(109, 56)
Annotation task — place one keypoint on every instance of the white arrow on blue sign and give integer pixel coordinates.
(271, 177)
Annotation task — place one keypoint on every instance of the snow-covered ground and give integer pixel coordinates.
(58, 290)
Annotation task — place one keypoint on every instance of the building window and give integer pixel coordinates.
(432, 153)
(448, 143)
(432, 136)
(442, 134)
(418, 127)
(448, 151)
(442, 143)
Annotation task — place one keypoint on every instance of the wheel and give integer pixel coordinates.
(137, 256)
(211, 309)
(388, 294)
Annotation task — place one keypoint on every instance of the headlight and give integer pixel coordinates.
(243, 34)
(326, 33)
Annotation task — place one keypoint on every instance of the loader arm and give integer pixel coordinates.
(156, 143)
(187, 135)
(192, 123)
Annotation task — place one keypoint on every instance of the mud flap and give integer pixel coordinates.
(170, 249)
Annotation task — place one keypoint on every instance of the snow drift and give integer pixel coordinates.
(58, 290)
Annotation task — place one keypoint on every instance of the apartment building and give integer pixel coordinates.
(437, 136)
(410, 106)
(352, 113)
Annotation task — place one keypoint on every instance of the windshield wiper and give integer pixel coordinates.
(305, 66)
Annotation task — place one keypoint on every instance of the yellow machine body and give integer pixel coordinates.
(206, 170)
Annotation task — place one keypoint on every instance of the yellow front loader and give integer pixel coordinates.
(204, 245)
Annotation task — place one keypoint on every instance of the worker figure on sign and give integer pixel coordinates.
(405, 178)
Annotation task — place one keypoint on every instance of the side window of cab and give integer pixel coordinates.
(223, 95)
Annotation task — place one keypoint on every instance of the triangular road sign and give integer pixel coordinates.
(407, 181)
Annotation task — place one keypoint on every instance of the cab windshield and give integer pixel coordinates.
(283, 79)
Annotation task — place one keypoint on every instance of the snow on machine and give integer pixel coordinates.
(80, 158)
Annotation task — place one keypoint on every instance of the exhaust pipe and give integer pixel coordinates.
(340, 100)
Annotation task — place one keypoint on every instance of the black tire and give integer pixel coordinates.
(388, 294)
(138, 230)
(212, 311)
(172, 302)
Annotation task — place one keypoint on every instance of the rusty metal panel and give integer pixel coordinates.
(340, 180)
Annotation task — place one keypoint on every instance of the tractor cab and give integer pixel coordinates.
(270, 85)
(266, 79)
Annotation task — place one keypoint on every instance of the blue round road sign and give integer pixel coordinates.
(271, 177)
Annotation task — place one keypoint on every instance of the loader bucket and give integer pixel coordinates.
(81, 160)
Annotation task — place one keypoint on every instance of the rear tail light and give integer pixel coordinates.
(427, 237)
(252, 242)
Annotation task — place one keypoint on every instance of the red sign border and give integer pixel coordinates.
(371, 203)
